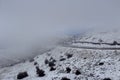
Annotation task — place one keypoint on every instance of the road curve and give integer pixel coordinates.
(94, 48)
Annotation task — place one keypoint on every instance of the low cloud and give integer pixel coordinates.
(26, 25)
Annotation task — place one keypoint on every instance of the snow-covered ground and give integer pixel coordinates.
(67, 63)
(95, 36)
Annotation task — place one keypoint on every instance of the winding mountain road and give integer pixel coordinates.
(94, 48)
(98, 43)
(97, 48)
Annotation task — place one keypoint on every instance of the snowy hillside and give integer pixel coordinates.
(73, 63)
(104, 36)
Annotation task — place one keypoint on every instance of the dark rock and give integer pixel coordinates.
(40, 72)
(52, 69)
(69, 55)
(85, 58)
(62, 59)
(68, 70)
(77, 72)
(35, 63)
(64, 78)
(46, 61)
(22, 75)
(101, 63)
(51, 64)
(106, 79)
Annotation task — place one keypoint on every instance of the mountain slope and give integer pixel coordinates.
(69, 63)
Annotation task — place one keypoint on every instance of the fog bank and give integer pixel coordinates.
(25, 25)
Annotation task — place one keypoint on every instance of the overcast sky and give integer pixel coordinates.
(23, 22)
(38, 17)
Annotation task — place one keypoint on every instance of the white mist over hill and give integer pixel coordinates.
(92, 56)
(27, 25)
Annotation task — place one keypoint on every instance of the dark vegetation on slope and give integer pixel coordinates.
(68, 70)
(51, 63)
(65, 78)
(35, 63)
(69, 55)
(40, 72)
(77, 72)
(22, 75)
(52, 69)
(101, 63)
(62, 59)
(106, 79)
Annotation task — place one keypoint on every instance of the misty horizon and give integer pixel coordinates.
(28, 24)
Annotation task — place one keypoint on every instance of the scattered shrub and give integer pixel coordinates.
(52, 69)
(46, 61)
(22, 75)
(101, 63)
(62, 59)
(68, 70)
(77, 72)
(35, 63)
(40, 72)
(106, 79)
(85, 58)
(64, 78)
(69, 55)
(51, 64)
